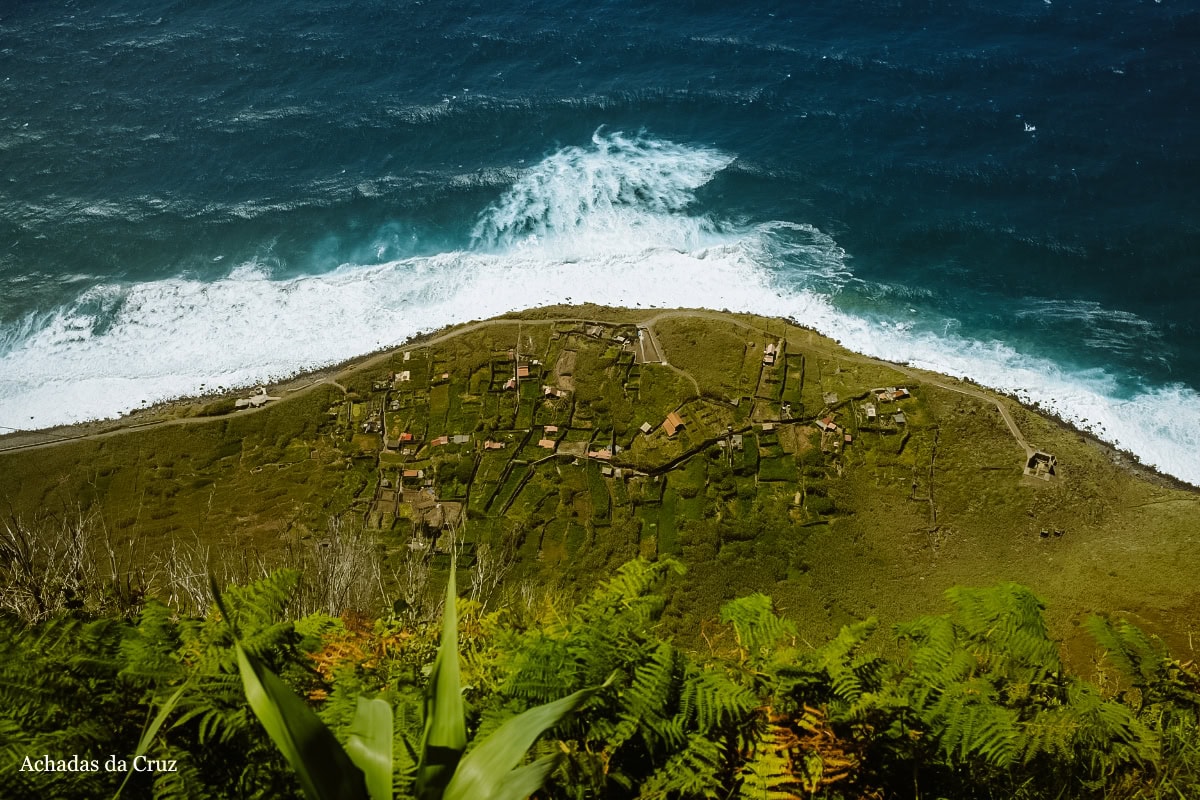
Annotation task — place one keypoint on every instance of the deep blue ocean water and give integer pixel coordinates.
(209, 194)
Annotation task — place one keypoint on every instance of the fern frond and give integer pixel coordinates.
(694, 772)
(757, 627)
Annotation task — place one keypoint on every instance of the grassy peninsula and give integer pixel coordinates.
(527, 435)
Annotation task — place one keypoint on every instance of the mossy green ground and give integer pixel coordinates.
(834, 531)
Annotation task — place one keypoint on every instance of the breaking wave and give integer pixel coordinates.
(612, 223)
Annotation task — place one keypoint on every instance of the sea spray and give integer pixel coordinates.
(614, 224)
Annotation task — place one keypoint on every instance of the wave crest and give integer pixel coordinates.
(620, 188)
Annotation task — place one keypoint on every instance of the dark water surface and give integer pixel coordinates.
(203, 194)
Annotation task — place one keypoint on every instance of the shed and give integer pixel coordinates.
(646, 428)
(899, 418)
(460, 438)
(769, 353)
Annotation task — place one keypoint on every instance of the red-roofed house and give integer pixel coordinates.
(672, 423)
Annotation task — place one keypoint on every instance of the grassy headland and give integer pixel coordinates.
(545, 460)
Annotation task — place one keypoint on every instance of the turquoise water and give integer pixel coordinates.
(200, 197)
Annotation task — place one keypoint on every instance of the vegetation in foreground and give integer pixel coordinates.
(977, 704)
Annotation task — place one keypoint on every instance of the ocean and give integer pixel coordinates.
(204, 195)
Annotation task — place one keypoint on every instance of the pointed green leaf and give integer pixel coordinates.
(483, 769)
(445, 735)
(152, 731)
(159, 719)
(324, 769)
(370, 745)
(520, 783)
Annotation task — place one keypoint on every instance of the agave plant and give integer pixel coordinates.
(362, 769)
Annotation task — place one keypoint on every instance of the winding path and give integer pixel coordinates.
(923, 377)
(647, 323)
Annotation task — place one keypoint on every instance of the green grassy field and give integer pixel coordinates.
(834, 531)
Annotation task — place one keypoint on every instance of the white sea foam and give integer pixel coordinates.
(606, 224)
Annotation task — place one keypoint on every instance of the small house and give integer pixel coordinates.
(511, 383)
(490, 445)
(646, 428)
(404, 377)
(899, 418)
(769, 353)
(602, 454)
(551, 429)
(1041, 465)
(407, 355)
(768, 427)
(439, 441)
(523, 371)
(673, 423)
(261, 399)
(460, 438)
(549, 444)
(870, 411)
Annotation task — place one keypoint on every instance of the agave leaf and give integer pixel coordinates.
(488, 767)
(445, 735)
(152, 731)
(324, 769)
(520, 783)
(370, 745)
